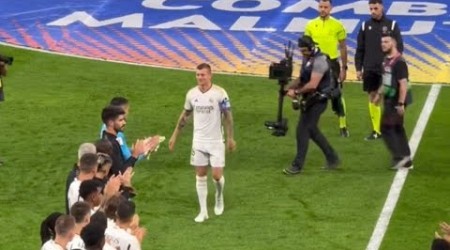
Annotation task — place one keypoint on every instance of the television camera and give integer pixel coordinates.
(282, 72)
(7, 59)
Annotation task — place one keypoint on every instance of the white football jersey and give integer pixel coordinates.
(207, 109)
(76, 243)
(51, 245)
(107, 246)
(121, 239)
(110, 223)
(73, 195)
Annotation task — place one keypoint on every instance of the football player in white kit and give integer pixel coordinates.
(208, 103)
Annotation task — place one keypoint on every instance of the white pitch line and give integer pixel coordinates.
(400, 176)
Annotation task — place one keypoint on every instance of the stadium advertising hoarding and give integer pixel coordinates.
(233, 35)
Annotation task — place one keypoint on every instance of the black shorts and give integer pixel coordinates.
(371, 81)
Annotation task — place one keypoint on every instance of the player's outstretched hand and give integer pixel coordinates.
(231, 144)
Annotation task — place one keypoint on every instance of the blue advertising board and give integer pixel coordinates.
(234, 36)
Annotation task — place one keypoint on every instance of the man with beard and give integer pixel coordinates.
(313, 86)
(369, 57)
(329, 34)
(114, 119)
(3, 70)
(396, 94)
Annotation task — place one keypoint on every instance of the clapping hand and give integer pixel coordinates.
(125, 177)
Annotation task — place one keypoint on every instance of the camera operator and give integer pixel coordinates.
(4, 61)
(314, 85)
(3, 69)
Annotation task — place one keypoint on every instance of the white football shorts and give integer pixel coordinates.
(208, 153)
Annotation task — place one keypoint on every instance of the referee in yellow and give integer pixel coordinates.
(329, 33)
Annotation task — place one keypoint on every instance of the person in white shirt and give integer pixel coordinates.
(81, 211)
(110, 209)
(209, 104)
(125, 235)
(91, 192)
(91, 242)
(88, 168)
(48, 227)
(65, 231)
(93, 236)
(83, 149)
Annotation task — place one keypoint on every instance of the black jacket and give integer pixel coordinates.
(119, 163)
(369, 55)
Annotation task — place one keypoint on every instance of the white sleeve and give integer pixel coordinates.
(187, 102)
(107, 246)
(134, 244)
(72, 195)
(76, 243)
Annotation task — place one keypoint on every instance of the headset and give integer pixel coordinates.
(306, 41)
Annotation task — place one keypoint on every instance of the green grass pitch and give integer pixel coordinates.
(53, 104)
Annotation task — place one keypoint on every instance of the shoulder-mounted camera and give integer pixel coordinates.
(7, 59)
(281, 70)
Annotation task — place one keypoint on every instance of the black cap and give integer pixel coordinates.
(306, 41)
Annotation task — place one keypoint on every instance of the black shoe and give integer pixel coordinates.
(344, 132)
(292, 170)
(373, 136)
(406, 162)
(332, 165)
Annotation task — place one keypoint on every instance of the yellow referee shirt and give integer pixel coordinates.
(327, 34)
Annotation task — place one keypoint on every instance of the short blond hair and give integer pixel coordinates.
(86, 148)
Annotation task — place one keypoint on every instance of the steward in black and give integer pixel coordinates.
(397, 96)
(119, 163)
(369, 56)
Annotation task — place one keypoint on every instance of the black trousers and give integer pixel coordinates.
(307, 129)
(394, 134)
(2, 96)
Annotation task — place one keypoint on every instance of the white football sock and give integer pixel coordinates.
(220, 184)
(202, 193)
